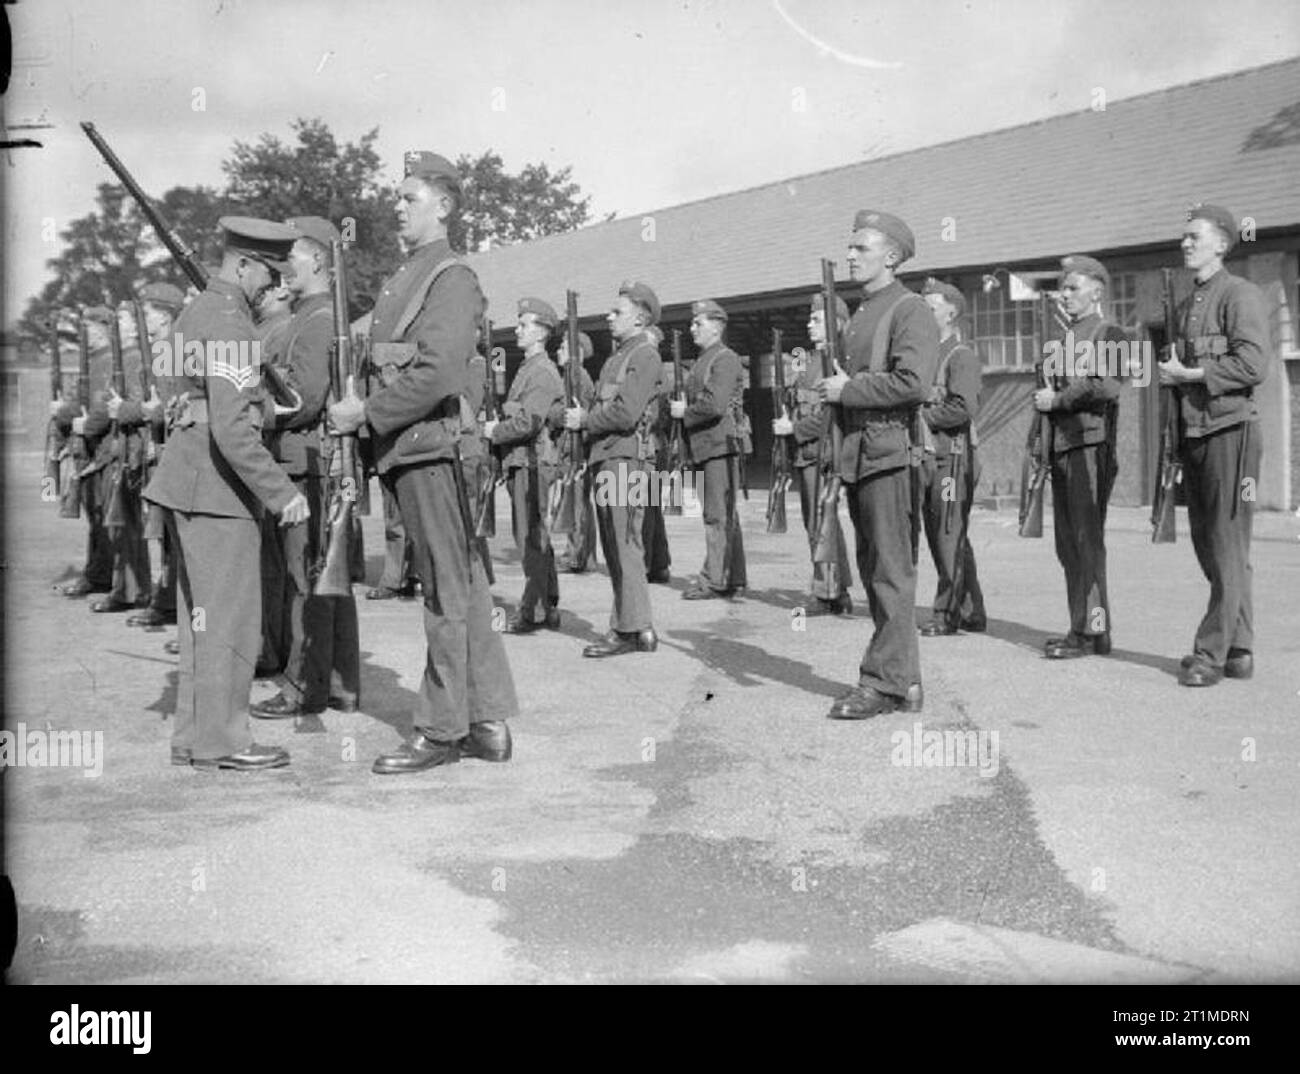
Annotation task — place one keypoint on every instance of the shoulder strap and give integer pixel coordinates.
(880, 341)
(421, 293)
(293, 339)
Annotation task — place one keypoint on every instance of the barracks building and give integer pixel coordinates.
(992, 214)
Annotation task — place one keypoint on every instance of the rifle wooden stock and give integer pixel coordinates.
(1169, 465)
(826, 535)
(567, 504)
(776, 520)
(53, 437)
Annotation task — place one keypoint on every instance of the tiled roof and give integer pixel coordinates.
(1095, 181)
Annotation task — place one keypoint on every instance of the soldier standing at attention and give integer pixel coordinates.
(530, 465)
(216, 476)
(1222, 355)
(1082, 402)
(321, 632)
(709, 413)
(950, 470)
(810, 427)
(423, 329)
(618, 435)
(892, 351)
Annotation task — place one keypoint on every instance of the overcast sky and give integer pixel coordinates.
(652, 103)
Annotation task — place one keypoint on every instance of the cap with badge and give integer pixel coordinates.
(543, 311)
(264, 240)
(163, 294)
(889, 225)
(1085, 266)
(425, 165)
(841, 307)
(706, 307)
(1219, 217)
(316, 228)
(950, 294)
(643, 296)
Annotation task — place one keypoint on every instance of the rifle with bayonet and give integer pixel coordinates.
(568, 502)
(825, 534)
(335, 569)
(1037, 465)
(181, 254)
(75, 454)
(54, 439)
(678, 446)
(494, 375)
(776, 521)
(1169, 464)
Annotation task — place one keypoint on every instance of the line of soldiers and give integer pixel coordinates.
(900, 411)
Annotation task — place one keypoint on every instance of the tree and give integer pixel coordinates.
(503, 208)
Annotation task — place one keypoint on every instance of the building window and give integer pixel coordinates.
(1124, 300)
(1002, 331)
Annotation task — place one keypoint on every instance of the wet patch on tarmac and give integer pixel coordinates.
(676, 903)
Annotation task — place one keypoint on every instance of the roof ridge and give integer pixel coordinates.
(1176, 88)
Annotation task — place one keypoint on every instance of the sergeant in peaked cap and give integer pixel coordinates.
(217, 477)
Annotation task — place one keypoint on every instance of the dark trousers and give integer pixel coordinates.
(945, 511)
(581, 544)
(654, 539)
(619, 520)
(881, 509)
(99, 548)
(830, 581)
(131, 582)
(1217, 471)
(529, 489)
(466, 675)
(219, 622)
(397, 550)
(276, 587)
(1081, 482)
(724, 547)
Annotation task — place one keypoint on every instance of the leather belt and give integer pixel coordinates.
(857, 420)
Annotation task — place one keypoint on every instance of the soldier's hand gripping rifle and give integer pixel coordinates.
(776, 521)
(181, 254)
(1169, 465)
(75, 454)
(345, 480)
(494, 376)
(567, 499)
(678, 451)
(54, 439)
(826, 535)
(1036, 468)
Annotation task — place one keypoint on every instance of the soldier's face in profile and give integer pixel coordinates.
(867, 254)
(1201, 243)
(942, 310)
(705, 330)
(304, 258)
(1079, 294)
(817, 327)
(528, 332)
(623, 318)
(157, 322)
(419, 211)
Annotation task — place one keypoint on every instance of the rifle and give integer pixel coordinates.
(1037, 464)
(345, 479)
(53, 438)
(114, 449)
(678, 447)
(567, 500)
(156, 435)
(825, 534)
(494, 372)
(1169, 465)
(776, 522)
(183, 255)
(74, 452)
